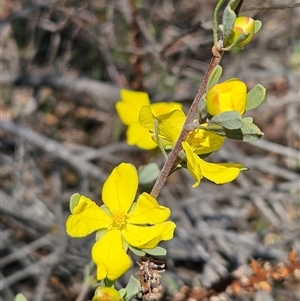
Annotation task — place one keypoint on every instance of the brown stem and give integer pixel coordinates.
(216, 58)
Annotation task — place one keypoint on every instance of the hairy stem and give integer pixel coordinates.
(184, 132)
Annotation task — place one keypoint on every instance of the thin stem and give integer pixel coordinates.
(157, 138)
(184, 132)
(215, 21)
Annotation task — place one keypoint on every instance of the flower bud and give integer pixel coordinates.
(242, 32)
(230, 95)
(106, 294)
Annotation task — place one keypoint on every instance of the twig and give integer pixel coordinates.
(263, 165)
(277, 148)
(54, 148)
(33, 269)
(105, 152)
(83, 292)
(189, 120)
(8, 206)
(27, 249)
(61, 238)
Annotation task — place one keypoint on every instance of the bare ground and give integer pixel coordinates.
(62, 66)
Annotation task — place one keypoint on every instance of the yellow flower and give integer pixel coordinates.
(128, 109)
(243, 26)
(106, 294)
(219, 173)
(170, 124)
(120, 222)
(230, 95)
(198, 142)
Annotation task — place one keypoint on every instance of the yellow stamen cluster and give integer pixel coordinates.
(118, 220)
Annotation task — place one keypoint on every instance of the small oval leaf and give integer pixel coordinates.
(20, 297)
(158, 251)
(148, 173)
(136, 251)
(230, 120)
(214, 77)
(257, 26)
(255, 97)
(74, 199)
(133, 288)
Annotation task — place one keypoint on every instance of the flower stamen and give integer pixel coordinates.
(119, 219)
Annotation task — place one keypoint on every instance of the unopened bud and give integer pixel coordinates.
(106, 294)
(242, 32)
(230, 95)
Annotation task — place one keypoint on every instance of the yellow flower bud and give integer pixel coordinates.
(230, 95)
(242, 26)
(106, 294)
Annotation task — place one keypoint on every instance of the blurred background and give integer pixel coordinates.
(63, 64)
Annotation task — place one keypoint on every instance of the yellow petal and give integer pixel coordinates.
(110, 257)
(139, 136)
(204, 142)
(148, 237)
(170, 125)
(146, 118)
(193, 164)
(164, 107)
(119, 189)
(227, 96)
(86, 218)
(220, 173)
(130, 105)
(148, 211)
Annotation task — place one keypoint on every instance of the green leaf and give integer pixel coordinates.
(235, 44)
(100, 233)
(74, 199)
(228, 19)
(202, 104)
(157, 251)
(20, 297)
(148, 173)
(248, 132)
(234, 4)
(136, 251)
(122, 292)
(214, 128)
(257, 26)
(132, 289)
(248, 120)
(214, 77)
(255, 97)
(231, 120)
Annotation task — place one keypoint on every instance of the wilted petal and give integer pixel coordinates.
(148, 237)
(110, 257)
(86, 218)
(120, 188)
(148, 211)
